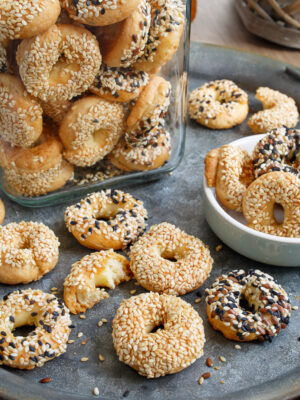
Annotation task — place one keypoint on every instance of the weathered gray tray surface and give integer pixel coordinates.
(260, 371)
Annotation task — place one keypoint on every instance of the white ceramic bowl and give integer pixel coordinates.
(230, 227)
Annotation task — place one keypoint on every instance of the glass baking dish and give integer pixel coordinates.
(105, 175)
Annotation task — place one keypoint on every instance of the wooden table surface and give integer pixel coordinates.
(217, 22)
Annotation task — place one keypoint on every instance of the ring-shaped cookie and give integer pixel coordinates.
(28, 251)
(91, 129)
(60, 63)
(167, 260)
(109, 219)
(267, 191)
(152, 352)
(49, 338)
(267, 306)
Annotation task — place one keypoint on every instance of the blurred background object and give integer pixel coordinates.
(218, 22)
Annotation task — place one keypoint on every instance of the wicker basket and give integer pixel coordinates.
(277, 21)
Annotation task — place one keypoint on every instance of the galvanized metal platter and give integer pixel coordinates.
(256, 371)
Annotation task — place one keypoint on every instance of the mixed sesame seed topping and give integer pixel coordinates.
(279, 150)
(48, 340)
(268, 303)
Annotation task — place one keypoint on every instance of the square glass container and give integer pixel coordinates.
(176, 72)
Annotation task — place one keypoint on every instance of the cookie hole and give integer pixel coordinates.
(24, 330)
(169, 257)
(244, 305)
(156, 328)
(278, 213)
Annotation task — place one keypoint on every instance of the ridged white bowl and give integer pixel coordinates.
(230, 227)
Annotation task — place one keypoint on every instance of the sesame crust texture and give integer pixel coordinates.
(91, 129)
(104, 269)
(263, 194)
(279, 110)
(60, 63)
(99, 12)
(166, 351)
(21, 121)
(218, 104)
(2, 211)
(268, 302)
(28, 250)
(150, 108)
(123, 43)
(57, 109)
(152, 155)
(234, 175)
(166, 28)
(51, 319)
(168, 260)
(109, 219)
(278, 150)
(119, 84)
(27, 18)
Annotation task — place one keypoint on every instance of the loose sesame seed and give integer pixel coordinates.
(96, 391)
(101, 358)
(84, 359)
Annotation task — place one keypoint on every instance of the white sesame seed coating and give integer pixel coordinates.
(279, 150)
(234, 175)
(21, 120)
(104, 269)
(166, 351)
(91, 129)
(279, 110)
(219, 104)
(59, 64)
(268, 302)
(260, 198)
(28, 250)
(150, 264)
(21, 19)
(47, 341)
(106, 219)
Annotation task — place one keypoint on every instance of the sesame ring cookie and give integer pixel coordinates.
(57, 109)
(109, 219)
(123, 43)
(27, 18)
(60, 63)
(21, 121)
(48, 340)
(219, 104)
(263, 194)
(2, 211)
(104, 269)
(267, 312)
(176, 344)
(279, 110)
(142, 158)
(28, 251)
(233, 174)
(99, 12)
(166, 28)
(119, 84)
(168, 260)
(91, 129)
(37, 170)
(279, 150)
(151, 106)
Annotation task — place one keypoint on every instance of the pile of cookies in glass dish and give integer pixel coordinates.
(78, 83)
(268, 179)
